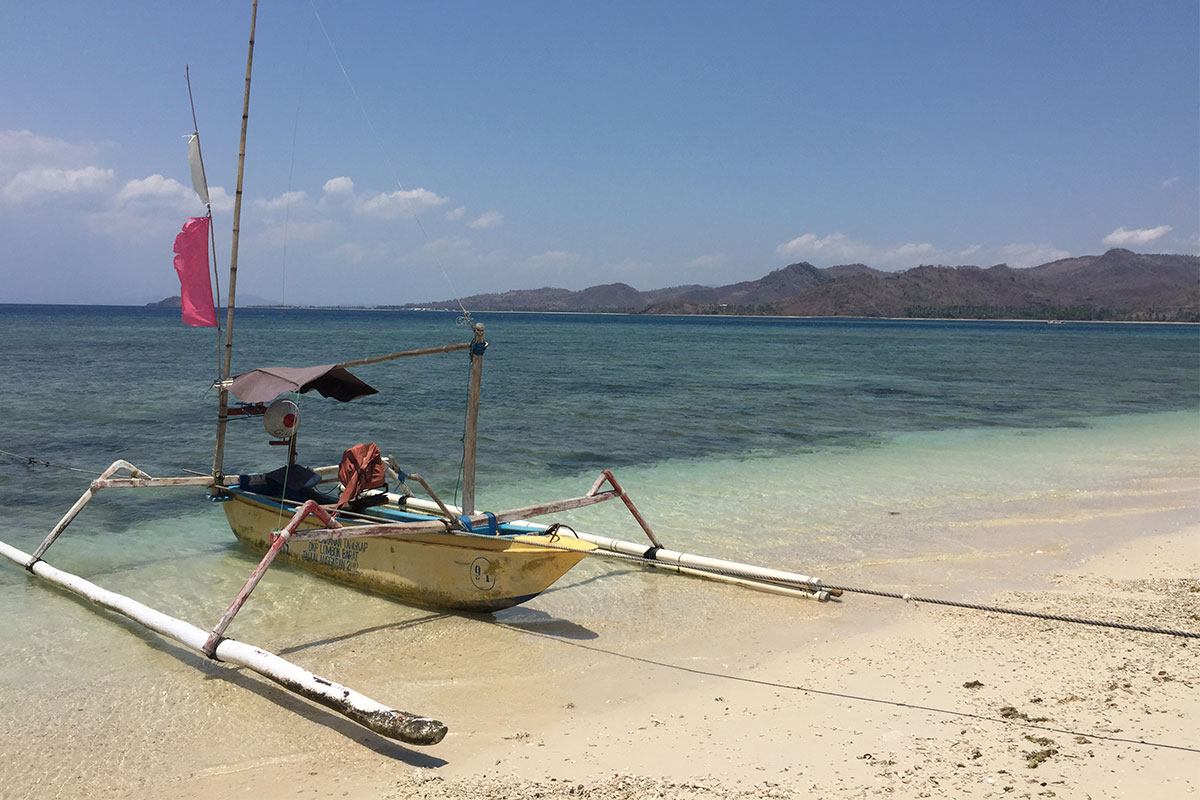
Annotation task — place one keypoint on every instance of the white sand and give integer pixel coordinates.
(775, 698)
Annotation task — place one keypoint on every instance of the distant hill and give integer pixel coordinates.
(1117, 285)
(243, 301)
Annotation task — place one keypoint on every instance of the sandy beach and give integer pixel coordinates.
(747, 696)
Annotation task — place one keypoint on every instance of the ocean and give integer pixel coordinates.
(734, 432)
(811, 445)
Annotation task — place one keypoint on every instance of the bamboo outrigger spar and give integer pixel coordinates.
(420, 550)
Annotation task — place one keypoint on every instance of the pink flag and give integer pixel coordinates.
(191, 262)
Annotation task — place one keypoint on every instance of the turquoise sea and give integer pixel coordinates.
(734, 431)
(786, 442)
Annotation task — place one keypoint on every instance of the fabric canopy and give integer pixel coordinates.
(265, 384)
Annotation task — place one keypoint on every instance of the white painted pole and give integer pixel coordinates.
(381, 719)
(685, 563)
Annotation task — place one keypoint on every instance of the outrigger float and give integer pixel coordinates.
(419, 550)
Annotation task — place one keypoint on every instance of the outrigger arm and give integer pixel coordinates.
(400, 725)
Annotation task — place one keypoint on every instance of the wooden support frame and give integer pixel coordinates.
(401, 725)
(136, 480)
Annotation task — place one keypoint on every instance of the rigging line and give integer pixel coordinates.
(31, 461)
(379, 146)
(212, 234)
(287, 211)
(846, 696)
(822, 586)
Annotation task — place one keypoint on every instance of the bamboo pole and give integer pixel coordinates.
(279, 542)
(371, 714)
(607, 476)
(226, 365)
(676, 558)
(227, 382)
(426, 351)
(671, 560)
(469, 437)
(448, 525)
(137, 480)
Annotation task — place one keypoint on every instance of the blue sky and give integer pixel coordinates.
(491, 146)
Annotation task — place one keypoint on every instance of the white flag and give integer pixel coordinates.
(197, 168)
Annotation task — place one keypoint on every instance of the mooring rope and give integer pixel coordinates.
(1017, 612)
(813, 587)
(818, 587)
(412, 210)
(1014, 722)
(30, 461)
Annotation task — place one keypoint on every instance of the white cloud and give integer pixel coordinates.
(133, 225)
(488, 219)
(1169, 182)
(913, 252)
(159, 194)
(391, 205)
(23, 149)
(707, 261)
(1122, 238)
(1031, 254)
(338, 186)
(221, 200)
(837, 248)
(457, 213)
(38, 183)
(149, 210)
(380, 205)
(156, 187)
(283, 201)
(834, 247)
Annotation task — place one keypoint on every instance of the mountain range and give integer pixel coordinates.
(1118, 285)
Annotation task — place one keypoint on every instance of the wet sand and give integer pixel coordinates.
(720, 693)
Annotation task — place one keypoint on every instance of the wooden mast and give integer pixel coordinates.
(226, 364)
(469, 438)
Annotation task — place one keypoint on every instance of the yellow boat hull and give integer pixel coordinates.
(439, 570)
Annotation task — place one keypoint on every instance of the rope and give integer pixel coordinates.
(30, 461)
(817, 587)
(845, 696)
(287, 211)
(1018, 612)
(379, 146)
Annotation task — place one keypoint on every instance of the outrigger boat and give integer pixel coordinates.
(418, 549)
(425, 553)
(422, 550)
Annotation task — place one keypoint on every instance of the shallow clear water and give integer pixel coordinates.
(787, 442)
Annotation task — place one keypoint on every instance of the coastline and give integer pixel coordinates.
(416, 309)
(751, 697)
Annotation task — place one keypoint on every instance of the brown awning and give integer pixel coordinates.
(266, 383)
